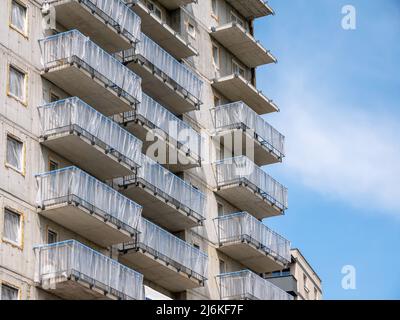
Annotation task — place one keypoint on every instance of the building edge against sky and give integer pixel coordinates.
(82, 89)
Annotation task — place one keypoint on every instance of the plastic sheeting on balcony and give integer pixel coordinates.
(237, 114)
(233, 170)
(113, 12)
(243, 226)
(171, 186)
(58, 261)
(165, 120)
(171, 249)
(73, 184)
(162, 60)
(73, 113)
(247, 285)
(73, 46)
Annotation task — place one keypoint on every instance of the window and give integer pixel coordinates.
(315, 294)
(15, 154)
(12, 226)
(239, 21)
(196, 245)
(53, 165)
(17, 83)
(154, 9)
(52, 236)
(237, 69)
(214, 8)
(215, 55)
(18, 20)
(222, 266)
(8, 292)
(220, 209)
(191, 30)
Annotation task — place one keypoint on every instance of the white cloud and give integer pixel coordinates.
(342, 152)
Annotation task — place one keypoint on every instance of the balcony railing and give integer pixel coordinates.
(113, 12)
(61, 261)
(153, 113)
(171, 187)
(182, 76)
(239, 115)
(170, 249)
(73, 47)
(71, 185)
(244, 227)
(242, 169)
(73, 114)
(247, 285)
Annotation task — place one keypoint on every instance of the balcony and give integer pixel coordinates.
(249, 188)
(170, 82)
(251, 9)
(287, 283)
(248, 241)
(82, 204)
(236, 88)
(88, 139)
(242, 44)
(182, 144)
(162, 33)
(111, 24)
(165, 259)
(238, 123)
(167, 200)
(246, 285)
(81, 68)
(72, 271)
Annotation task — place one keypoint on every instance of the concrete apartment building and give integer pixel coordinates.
(88, 90)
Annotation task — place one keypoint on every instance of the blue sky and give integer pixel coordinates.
(339, 94)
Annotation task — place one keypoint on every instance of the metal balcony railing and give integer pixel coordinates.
(59, 261)
(243, 226)
(169, 248)
(182, 76)
(71, 185)
(73, 47)
(153, 113)
(72, 114)
(247, 285)
(239, 115)
(165, 183)
(242, 169)
(114, 12)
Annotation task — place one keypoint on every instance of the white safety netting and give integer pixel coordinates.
(115, 13)
(68, 46)
(233, 170)
(73, 113)
(247, 285)
(178, 72)
(58, 261)
(171, 125)
(73, 184)
(172, 249)
(173, 186)
(238, 113)
(238, 226)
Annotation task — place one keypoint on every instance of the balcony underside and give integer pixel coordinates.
(236, 88)
(163, 34)
(251, 257)
(242, 45)
(159, 88)
(140, 130)
(80, 83)
(158, 271)
(77, 290)
(263, 153)
(73, 15)
(159, 210)
(91, 158)
(251, 9)
(90, 226)
(246, 199)
(174, 4)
